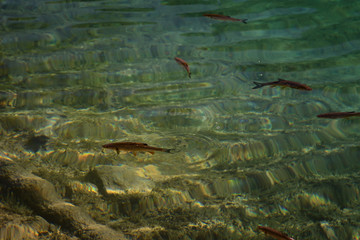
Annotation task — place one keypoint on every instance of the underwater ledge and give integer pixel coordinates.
(40, 196)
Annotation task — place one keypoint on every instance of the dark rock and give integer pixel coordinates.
(34, 143)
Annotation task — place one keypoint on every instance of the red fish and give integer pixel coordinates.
(274, 233)
(334, 115)
(184, 64)
(134, 147)
(284, 83)
(224, 18)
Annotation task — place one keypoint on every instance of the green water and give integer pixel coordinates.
(86, 73)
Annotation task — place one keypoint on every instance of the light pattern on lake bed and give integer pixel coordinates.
(85, 73)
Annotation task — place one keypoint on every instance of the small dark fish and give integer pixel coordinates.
(274, 233)
(284, 83)
(334, 115)
(134, 147)
(224, 18)
(184, 64)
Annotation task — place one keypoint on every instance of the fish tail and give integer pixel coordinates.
(189, 74)
(244, 20)
(170, 150)
(258, 85)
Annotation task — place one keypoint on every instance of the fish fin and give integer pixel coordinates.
(244, 21)
(134, 153)
(189, 74)
(281, 80)
(258, 85)
(117, 151)
(152, 153)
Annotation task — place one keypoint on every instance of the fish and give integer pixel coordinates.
(225, 18)
(134, 147)
(283, 83)
(334, 115)
(184, 64)
(274, 233)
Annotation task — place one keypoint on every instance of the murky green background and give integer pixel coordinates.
(86, 73)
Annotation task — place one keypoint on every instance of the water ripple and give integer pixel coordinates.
(85, 73)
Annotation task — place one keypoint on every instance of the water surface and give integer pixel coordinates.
(86, 73)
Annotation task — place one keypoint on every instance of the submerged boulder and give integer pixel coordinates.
(120, 179)
(40, 196)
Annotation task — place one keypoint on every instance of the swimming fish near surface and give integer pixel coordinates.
(184, 64)
(224, 18)
(134, 147)
(284, 83)
(334, 115)
(274, 233)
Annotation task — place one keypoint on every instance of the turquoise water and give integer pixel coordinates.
(86, 73)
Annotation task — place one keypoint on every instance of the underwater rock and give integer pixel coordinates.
(41, 197)
(22, 122)
(120, 179)
(34, 143)
(329, 232)
(7, 98)
(17, 231)
(14, 224)
(89, 128)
